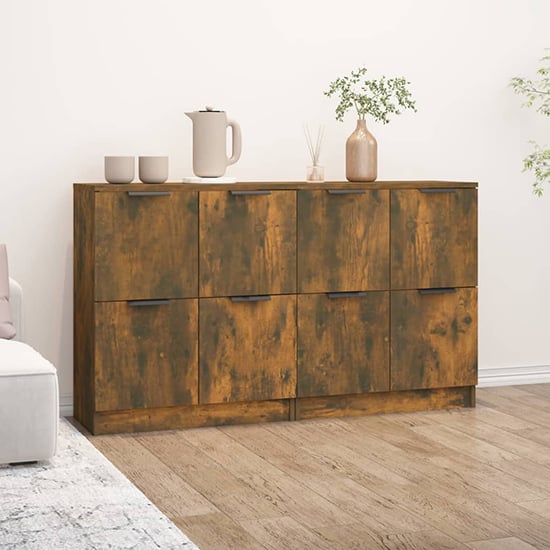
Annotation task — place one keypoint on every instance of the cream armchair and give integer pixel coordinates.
(29, 395)
(16, 304)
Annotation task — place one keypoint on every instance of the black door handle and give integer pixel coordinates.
(259, 298)
(436, 290)
(250, 192)
(346, 191)
(333, 295)
(149, 193)
(144, 303)
(437, 190)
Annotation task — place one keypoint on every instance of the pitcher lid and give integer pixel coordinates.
(210, 109)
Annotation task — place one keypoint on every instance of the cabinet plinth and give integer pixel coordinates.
(207, 304)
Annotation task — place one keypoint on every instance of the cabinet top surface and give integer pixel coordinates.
(289, 185)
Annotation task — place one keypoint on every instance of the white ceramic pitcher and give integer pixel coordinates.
(210, 142)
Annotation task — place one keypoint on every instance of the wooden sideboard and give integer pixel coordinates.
(209, 304)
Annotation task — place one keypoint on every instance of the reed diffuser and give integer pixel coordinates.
(315, 172)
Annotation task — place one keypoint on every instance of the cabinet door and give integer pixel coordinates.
(343, 240)
(433, 238)
(146, 245)
(433, 338)
(247, 242)
(247, 348)
(146, 354)
(343, 343)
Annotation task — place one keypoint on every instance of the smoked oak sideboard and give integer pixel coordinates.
(210, 304)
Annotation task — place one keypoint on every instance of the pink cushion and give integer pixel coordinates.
(7, 330)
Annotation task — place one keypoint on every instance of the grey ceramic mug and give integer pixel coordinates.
(120, 169)
(153, 169)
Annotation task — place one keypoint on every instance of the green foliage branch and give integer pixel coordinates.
(378, 98)
(537, 93)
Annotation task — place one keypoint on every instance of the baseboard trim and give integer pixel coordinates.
(488, 377)
(511, 376)
(66, 404)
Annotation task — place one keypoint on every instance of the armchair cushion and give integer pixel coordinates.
(29, 404)
(7, 329)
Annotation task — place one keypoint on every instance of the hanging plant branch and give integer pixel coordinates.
(537, 93)
(538, 162)
(379, 98)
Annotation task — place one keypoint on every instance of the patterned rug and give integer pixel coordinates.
(77, 501)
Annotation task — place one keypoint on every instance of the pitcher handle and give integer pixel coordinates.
(236, 148)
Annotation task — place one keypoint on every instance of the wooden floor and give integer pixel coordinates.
(470, 479)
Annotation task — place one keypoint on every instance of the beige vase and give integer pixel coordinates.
(361, 155)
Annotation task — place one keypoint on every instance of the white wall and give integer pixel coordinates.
(81, 79)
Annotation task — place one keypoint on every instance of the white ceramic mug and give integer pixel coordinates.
(153, 169)
(120, 169)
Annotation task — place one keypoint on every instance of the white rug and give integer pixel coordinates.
(77, 501)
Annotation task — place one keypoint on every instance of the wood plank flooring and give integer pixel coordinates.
(471, 479)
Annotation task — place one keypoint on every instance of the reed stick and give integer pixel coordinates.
(314, 151)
